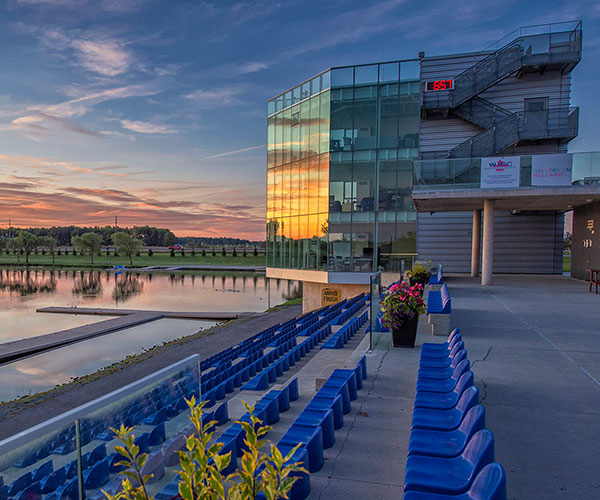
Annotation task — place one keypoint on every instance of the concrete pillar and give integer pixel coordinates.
(487, 267)
(476, 243)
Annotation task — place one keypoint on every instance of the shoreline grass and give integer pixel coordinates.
(144, 260)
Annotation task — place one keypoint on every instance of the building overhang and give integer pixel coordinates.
(339, 278)
(523, 199)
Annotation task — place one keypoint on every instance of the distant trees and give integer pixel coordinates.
(49, 243)
(89, 243)
(151, 236)
(126, 244)
(27, 243)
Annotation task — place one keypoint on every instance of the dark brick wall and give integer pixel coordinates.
(586, 240)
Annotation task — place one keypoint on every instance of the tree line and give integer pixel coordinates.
(150, 236)
(25, 243)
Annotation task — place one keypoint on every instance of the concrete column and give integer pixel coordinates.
(487, 267)
(476, 243)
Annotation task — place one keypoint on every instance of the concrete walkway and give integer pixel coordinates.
(534, 346)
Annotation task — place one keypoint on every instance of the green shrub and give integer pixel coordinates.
(201, 475)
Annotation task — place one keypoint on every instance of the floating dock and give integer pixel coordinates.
(126, 318)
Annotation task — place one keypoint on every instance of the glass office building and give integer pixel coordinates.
(339, 176)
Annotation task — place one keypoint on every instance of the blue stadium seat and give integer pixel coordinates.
(447, 443)
(450, 475)
(445, 420)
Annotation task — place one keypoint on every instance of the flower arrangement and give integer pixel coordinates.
(402, 303)
(420, 272)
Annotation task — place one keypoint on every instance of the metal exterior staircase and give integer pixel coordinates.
(501, 128)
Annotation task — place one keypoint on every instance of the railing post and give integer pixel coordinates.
(79, 460)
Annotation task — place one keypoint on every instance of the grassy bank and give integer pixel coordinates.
(566, 263)
(158, 259)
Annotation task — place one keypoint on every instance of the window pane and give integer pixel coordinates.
(285, 192)
(409, 70)
(342, 77)
(313, 182)
(270, 192)
(287, 136)
(315, 85)
(314, 126)
(305, 90)
(288, 99)
(278, 187)
(323, 183)
(325, 80)
(294, 189)
(278, 138)
(388, 72)
(365, 117)
(365, 74)
(363, 177)
(270, 142)
(342, 124)
(304, 128)
(388, 126)
(295, 133)
(304, 187)
(324, 122)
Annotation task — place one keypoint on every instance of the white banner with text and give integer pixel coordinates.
(551, 170)
(500, 172)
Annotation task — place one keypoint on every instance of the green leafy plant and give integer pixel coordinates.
(420, 272)
(202, 464)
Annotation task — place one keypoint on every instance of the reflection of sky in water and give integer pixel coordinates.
(44, 371)
(22, 292)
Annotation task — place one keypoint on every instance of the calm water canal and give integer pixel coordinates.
(22, 292)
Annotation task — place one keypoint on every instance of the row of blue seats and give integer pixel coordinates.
(437, 278)
(438, 301)
(314, 429)
(450, 453)
(225, 370)
(349, 311)
(270, 374)
(346, 332)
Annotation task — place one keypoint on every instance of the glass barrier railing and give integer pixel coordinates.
(73, 455)
(569, 169)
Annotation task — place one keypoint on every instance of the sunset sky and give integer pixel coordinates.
(155, 111)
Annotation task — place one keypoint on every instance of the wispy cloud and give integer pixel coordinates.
(252, 67)
(142, 127)
(235, 152)
(224, 96)
(105, 57)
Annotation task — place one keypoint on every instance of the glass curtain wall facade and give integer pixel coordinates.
(339, 178)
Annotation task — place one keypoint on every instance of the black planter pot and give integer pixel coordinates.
(405, 335)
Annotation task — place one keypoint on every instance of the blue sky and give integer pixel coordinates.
(156, 110)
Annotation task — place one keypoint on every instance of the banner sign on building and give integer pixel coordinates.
(500, 171)
(551, 170)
